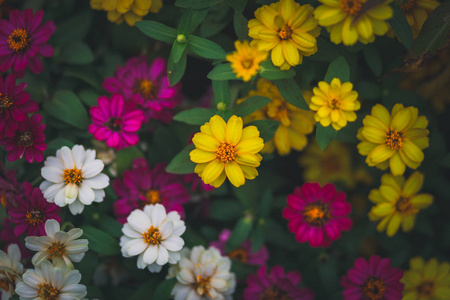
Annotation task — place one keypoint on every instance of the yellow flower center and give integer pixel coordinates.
(146, 88)
(426, 289)
(408, 6)
(73, 176)
(226, 153)
(18, 40)
(351, 7)
(4, 285)
(285, 33)
(394, 140)
(203, 286)
(3, 199)
(274, 294)
(34, 217)
(374, 288)
(5, 102)
(247, 63)
(334, 103)
(25, 139)
(152, 236)
(153, 196)
(57, 250)
(238, 254)
(316, 213)
(47, 291)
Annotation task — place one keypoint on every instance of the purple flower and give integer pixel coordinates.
(8, 237)
(9, 187)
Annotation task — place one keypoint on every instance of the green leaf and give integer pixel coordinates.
(221, 91)
(216, 20)
(238, 5)
(181, 163)
(178, 50)
(401, 27)
(164, 289)
(89, 97)
(325, 135)
(75, 53)
(258, 235)
(195, 116)
(265, 204)
(56, 144)
(66, 107)
(145, 289)
(225, 210)
(270, 72)
(175, 71)
(100, 241)
(368, 90)
(240, 26)
(267, 128)
(291, 92)
(196, 4)
(87, 265)
(87, 74)
(185, 24)
(250, 105)
(240, 233)
(109, 225)
(373, 59)
(75, 28)
(157, 31)
(125, 157)
(222, 72)
(205, 48)
(338, 68)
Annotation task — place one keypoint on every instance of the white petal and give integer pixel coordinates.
(182, 293)
(25, 291)
(74, 234)
(166, 228)
(150, 254)
(174, 257)
(52, 227)
(99, 195)
(158, 214)
(92, 168)
(60, 198)
(173, 243)
(89, 156)
(76, 208)
(61, 237)
(14, 252)
(52, 174)
(32, 279)
(45, 185)
(71, 191)
(139, 221)
(77, 257)
(67, 158)
(52, 190)
(53, 161)
(135, 247)
(57, 278)
(39, 258)
(78, 155)
(77, 246)
(154, 268)
(86, 194)
(163, 255)
(129, 231)
(100, 181)
(185, 276)
(140, 262)
(78, 289)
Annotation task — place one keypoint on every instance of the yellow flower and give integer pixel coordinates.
(246, 60)
(395, 139)
(129, 10)
(226, 150)
(287, 29)
(334, 103)
(295, 123)
(426, 281)
(347, 23)
(397, 202)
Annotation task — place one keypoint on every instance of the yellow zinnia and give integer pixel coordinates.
(129, 10)
(334, 103)
(426, 281)
(395, 139)
(246, 60)
(347, 23)
(397, 202)
(287, 29)
(226, 150)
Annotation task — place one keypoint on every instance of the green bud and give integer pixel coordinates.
(181, 39)
(221, 106)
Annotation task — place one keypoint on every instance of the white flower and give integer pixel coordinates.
(10, 271)
(51, 281)
(57, 245)
(203, 274)
(73, 177)
(154, 236)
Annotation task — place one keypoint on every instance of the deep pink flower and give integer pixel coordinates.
(317, 215)
(8, 237)
(28, 140)
(32, 211)
(23, 40)
(9, 187)
(372, 280)
(115, 122)
(15, 104)
(147, 86)
(243, 253)
(276, 285)
(141, 186)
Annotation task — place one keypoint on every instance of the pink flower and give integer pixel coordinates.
(141, 186)
(8, 237)
(317, 215)
(243, 253)
(372, 280)
(31, 211)
(15, 104)
(276, 285)
(9, 187)
(23, 39)
(115, 122)
(147, 86)
(28, 140)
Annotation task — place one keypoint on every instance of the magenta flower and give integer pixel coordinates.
(317, 215)
(141, 186)
(9, 187)
(8, 237)
(32, 211)
(372, 280)
(243, 253)
(115, 122)
(147, 86)
(15, 104)
(23, 39)
(276, 285)
(28, 140)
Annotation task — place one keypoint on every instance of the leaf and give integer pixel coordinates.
(75, 28)
(56, 144)
(75, 53)
(250, 105)
(267, 128)
(225, 210)
(125, 157)
(178, 50)
(195, 116)
(196, 4)
(258, 235)
(100, 241)
(181, 163)
(157, 31)
(89, 97)
(401, 27)
(145, 289)
(291, 92)
(87, 74)
(175, 71)
(216, 20)
(325, 135)
(205, 48)
(66, 107)
(373, 59)
(238, 5)
(338, 68)
(270, 72)
(222, 72)
(87, 266)
(240, 233)
(163, 290)
(221, 91)
(185, 23)
(240, 26)
(109, 225)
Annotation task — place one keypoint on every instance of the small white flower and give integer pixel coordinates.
(73, 178)
(57, 245)
(203, 274)
(154, 236)
(51, 281)
(10, 271)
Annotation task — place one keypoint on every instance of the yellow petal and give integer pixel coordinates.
(412, 151)
(277, 55)
(381, 113)
(393, 225)
(234, 130)
(199, 168)
(249, 132)
(249, 172)
(329, 16)
(349, 32)
(389, 193)
(374, 134)
(421, 201)
(290, 53)
(124, 5)
(218, 128)
(380, 154)
(299, 16)
(235, 174)
(382, 209)
(376, 197)
(408, 222)
(375, 122)
(364, 27)
(396, 164)
(282, 141)
(212, 171)
(199, 156)
(205, 142)
(430, 271)
(131, 18)
(417, 263)
(383, 223)
(110, 5)
(251, 160)
(400, 120)
(251, 145)
(286, 8)
(413, 184)
(143, 4)
(396, 182)
(324, 111)
(219, 181)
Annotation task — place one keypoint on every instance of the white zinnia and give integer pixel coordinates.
(57, 245)
(73, 177)
(51, 281)
(154, 236)
(203, 274)
(10, 271)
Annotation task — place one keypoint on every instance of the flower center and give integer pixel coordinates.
(404, 206)
(203, 286)
(334, 103)
(426, 289)
(408, 6)
(247, 63)
(238, 254)
(316, 213)
(351, 7)
(5, 102)
(274, 294)
(3, 199)
(285, 33)
(115, 124)
(4, 285)
(152, 236)
(25, 139)
(394, 140)
(34, 217)
(47, 291)
(18, 40)
(145, 87)
(374, 288)
(153, 196)
(57, 250)
(226, 153)
(73, 176)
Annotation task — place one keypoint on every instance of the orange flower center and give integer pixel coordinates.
(73, 176)
(238, 254)
(408, 6)
(5, 102)
(274, 294)
(404, 206)
(25, 139)
(334, 103)
(18, 40)
(47, 291)
(146, 88)
(394, 140)
(153, 196)
(152, 236)
(57, 250)
(316, 213)
(3, 199)
(285, 33)
(34, 217)
(426, 289)
(226, 153)
(351, 7)
(203, 286)
(4, 285)
(247, 63)
(374, 288)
